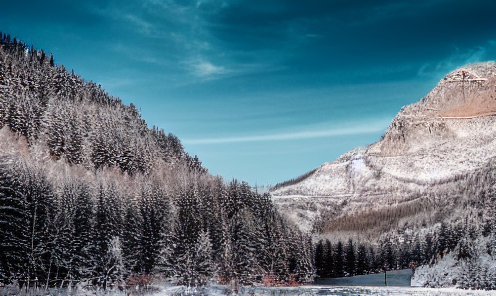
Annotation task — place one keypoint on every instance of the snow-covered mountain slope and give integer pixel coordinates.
(435, 147)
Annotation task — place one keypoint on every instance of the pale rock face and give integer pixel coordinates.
(448, 134)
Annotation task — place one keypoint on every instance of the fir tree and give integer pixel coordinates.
(328, 259)
(338, 261)
(319, 258)
(362, 265)
(350, 258)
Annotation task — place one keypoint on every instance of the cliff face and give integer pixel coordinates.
(435, 147)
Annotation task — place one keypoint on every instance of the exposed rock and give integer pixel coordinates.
(435, 147)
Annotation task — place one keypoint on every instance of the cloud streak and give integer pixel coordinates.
(378, 126)
(204, 69)
(457, 58)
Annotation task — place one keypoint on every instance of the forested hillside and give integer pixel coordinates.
(423, 195)
(89, 195)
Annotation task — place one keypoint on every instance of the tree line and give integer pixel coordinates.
(67, 232)
(468, 240)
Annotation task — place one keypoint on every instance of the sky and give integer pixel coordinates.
(261, 90)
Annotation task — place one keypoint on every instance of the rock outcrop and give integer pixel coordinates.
(436, 147)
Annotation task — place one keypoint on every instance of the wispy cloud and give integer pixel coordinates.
(207, 69)
(139, 23)
(462, 57)
(374, 127)
(458, 58)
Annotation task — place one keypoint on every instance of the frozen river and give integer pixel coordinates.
(397, 278)
(310, 290)
(373, 284)
(326, 290)
(398, 284)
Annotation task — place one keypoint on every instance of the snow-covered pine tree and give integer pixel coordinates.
(362, 260)
(417, 251)
(185, 234)
(203, 258)
(102, 264)
(151, 217)
(301, 266)
(350, 258)
(40, 203)
(320, 258)
(225, 270)
(243, 245)
(83, 221)
(61, 269)
(339, 260)
(427, 249)
(14, 222)
(131, 238)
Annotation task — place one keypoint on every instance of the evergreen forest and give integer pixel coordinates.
(89, 195)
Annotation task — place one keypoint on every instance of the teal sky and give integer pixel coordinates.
(261, 91)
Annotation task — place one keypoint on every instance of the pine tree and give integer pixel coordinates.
(362, 265)
(244, 259)
(102, 240)
(83, 233)
(338, 261)
(328, 259)
(390, 258)
(320, 259)
(225, 270)
(417, 251)
(185, 234)
(74, 145)
(427, 249)
(151, 232)
(443, 239)
(131, 237)
(61, 242)
(350, 258)
(203, 258)
(39, 198)
(14, 222)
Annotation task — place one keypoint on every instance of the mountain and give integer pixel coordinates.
(430, 147)
(92, 197)
(432, 168)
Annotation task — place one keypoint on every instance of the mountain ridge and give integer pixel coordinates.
(423, 195)
(425, 144)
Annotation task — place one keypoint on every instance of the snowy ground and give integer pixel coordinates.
(275, 291)
(326, 290)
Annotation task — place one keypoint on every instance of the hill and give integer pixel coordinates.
(92, 197)
(433, 168)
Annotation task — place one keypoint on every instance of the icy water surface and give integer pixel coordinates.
(334, 291)
(323, 290)
(216, 290)
(397, 278)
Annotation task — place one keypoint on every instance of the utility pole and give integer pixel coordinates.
(385, 274)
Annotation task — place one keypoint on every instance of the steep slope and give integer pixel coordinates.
(424, 195)
(431, 148)
(92, 197)
(77, 120)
